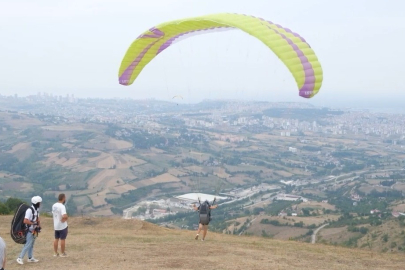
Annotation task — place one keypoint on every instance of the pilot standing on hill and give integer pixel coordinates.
(60, 225)
(32, 220)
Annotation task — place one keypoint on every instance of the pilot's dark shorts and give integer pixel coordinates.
(62, 234)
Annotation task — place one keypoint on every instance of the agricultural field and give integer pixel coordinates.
(105, 168)
(317, 205)
(276, 232)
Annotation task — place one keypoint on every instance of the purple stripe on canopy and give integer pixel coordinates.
(291, 32)
(156, 33)
(309, 84)
(307, 89)
(287, 30)
(126, 75)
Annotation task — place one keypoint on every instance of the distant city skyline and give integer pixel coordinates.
(383, 107)
(76, 47)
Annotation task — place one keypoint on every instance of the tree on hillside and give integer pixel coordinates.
(9, 207)
(4, 209)
(13, 203)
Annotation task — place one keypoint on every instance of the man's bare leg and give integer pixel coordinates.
(205, 231)
(200, 226)
(62, 246)
(55, 245)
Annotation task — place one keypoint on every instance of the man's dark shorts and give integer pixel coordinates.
(62, 234)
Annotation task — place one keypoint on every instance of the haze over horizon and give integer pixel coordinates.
(76, 47)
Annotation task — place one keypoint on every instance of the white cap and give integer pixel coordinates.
(36, 199)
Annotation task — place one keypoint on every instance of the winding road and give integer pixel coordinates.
(313, 239)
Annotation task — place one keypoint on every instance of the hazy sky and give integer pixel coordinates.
(76, 47)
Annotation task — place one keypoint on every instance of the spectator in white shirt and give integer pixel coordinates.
(60, 225)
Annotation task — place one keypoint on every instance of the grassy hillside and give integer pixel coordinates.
(109, 243)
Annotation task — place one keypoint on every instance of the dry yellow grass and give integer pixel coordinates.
(317, 220)
(21, 122)
(98, 199)
(332, 231)
(196, 169)
(21, 150)
(98, 158)
(400, 187)
(232, 223)
(106, 163)
(19, 146)
(122, 188)
(278, 232)
(67, 145)
(177, 172)
(372, 153)
(367, 189)
(272, 138)
(316, 205)
(109, 243)
(52, 155)
(284, 173)
(134, 160)
(101, 178)
(374, 181)
(63, 128)
(164, 178)
(53, 158)
(200, 156)
(70, 162)
(239, 179)
(102, 212)
(299, 171)
(374, 239)
(2, 174)
(128, 161)
(143, 183)
(119, 144)
(18, 186)
(221, 143)
(157, 151)
(314, 192)
(333, 235)
(112, 182)
(220, 172)
(399, 207)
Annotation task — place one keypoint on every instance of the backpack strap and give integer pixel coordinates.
(33, 213)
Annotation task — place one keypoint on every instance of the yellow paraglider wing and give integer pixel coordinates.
(290, 47)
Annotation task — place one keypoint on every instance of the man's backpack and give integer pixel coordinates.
(205, 213)
(19, 229)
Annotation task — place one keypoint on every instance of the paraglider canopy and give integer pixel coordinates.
(291, 48)
(177, 97)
